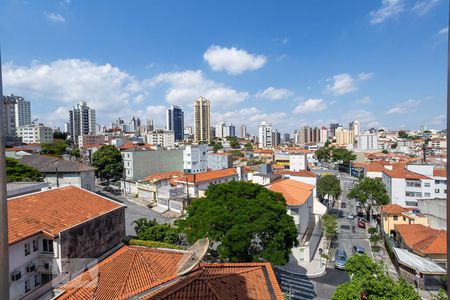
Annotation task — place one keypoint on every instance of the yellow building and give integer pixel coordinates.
(393, 214)
(344, 137)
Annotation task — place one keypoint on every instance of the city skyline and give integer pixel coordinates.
(378, 72)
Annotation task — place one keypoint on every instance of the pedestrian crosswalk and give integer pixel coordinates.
(295, 286)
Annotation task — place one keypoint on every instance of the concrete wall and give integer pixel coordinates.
(297, 162)
(307, 180)
(436, 212)
(85, 180)
(218, 162)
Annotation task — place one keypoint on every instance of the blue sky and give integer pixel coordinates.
(292, 63)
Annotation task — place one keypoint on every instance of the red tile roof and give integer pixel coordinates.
(124, 274)
(224, 281)
(303, 173)
(422, 239)
(50, 212)
(163, 175)
(295, 192)
(207, 176)
(440, 173)
(404, 173)
(393, 209)
(263, 151)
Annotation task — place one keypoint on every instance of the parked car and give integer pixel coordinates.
(107, 189)
(361, 224)
(340, 259)
(358, 250)
(350, 216)
(343, 205)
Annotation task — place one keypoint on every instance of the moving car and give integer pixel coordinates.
(358, 250)
(340, 259)
(350, 216)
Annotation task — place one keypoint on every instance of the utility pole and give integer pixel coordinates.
(4, 255)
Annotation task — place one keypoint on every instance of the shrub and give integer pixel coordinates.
(153, 244)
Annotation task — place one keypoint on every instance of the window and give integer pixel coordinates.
(395, 218)
(413, 183)
(427, 184)
(27, 286)
(437, 191)
(47, 245)
(413, 194)
(445, 191)
(37, 280)
(35, 245)
(27, 249)
(427, 195)
(404, 218)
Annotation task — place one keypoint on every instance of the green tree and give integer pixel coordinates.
(234, 144)
(75, 153)
(329, 226)
(323, 154)
(108, 162)
(58, 135)
(441, 295)
(372, 230)
(217, 146)
(402, 134)
(370, 192)
(57, 148)
(143, 223)
(385, 151)
(16, 171)
(342, 155)
(246, 220)
(368, 278)
(248, 146)
(160, 233)
(328, 186)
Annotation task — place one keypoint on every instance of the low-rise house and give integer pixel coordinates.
(301, 176)
(58, 172)
(423, 241)
(265, 154)
(263, 178)
(306, 212)
(57, 232)
(393, 214)
(142, 273)
(148, 187)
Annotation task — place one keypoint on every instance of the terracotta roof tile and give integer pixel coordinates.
(295, 192)
(393, 209)
(224, 281)
(163, 175)
(404, 173)
(52, 211)
(263, 151)
(206, 176)
(440, 173)
(423, 239)
(126, 273)
(303, 173)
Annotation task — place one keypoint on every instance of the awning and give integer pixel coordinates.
(419, 263)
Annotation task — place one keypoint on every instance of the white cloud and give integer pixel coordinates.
(106, 88)
(54, 17)
(364, 100)
(365, 76)
(185, 87)
(437, 120)
(272, 93)
(424, 6)
(403, 107)
(389, 9)
(157, 114)
(343, 84)
(310, 105)
(365, 117)
(443, 30)
(234, 61)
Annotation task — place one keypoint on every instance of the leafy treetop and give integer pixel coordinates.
(16, 171)
(108, 162)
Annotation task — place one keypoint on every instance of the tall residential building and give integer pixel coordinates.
(265, 135)
(243, 131)
(368, 141)
(22, 111)
(287, 138)
(220, 129)
(333, 127)
(202, 120)
(276, 138)
(175, 122)
(344, 137)
(35, 134)
(309, 135)
(9, 116)
(161, 137)
(323, 134)
(231, 130)
(355, 127)
(81, 121)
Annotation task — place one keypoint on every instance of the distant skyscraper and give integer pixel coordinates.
(22, 111)
(231, 130)
(243, 131)
(309, 135)
(220, 129)
(355, 127)
(276, 138)
(265, 135)
(202, 120)
(81, 121)
(323, 134)
(287, 138)
(333, 127)
(9, 116)
(175, 122)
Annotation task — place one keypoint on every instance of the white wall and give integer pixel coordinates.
(297, 162)
(85, 180)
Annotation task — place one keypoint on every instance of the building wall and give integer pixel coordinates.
(218, 161)
(91, 139)
(436, 212)
(297, 162)
(389, 221)
(35, 134)
(85, 180)
(307, 180)
(195, 159)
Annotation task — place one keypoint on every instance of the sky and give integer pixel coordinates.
(290, 63)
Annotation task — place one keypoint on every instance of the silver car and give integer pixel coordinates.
(340, 259)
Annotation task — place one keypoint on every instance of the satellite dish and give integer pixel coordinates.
(193, 256)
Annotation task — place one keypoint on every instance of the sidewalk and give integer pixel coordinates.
(314, 268)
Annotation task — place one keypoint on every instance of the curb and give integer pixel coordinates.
(314, 275)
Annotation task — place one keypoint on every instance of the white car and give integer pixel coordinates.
(350, 216)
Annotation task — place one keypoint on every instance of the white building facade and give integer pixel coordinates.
(298, 162)
(265, 135)
(367, 141)
(164, 138)
(195, 159)
(35, 134)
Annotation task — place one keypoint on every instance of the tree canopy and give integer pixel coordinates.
(342, 155)
(58, 135)
(248, 146)
(108, 162)
(369, 279)
(328, 185)
(246, 220)
(329, 226)
(369, 192)
(57, 148)
(16, 171)
(233, 142)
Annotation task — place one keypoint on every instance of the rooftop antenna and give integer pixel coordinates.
(4, 255)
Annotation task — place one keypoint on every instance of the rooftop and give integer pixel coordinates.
(295, 192)
(52, 211)
(163, 175)
(206, 176)
(303, 173)
(417, 262)
(404, 173)
(440, 173)
(423, 239)
(49, 164)
(390, 209)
